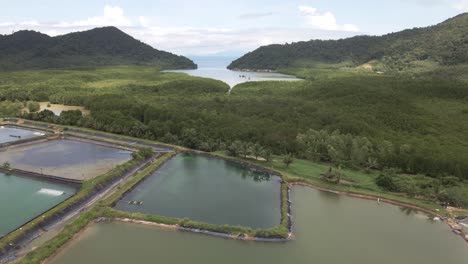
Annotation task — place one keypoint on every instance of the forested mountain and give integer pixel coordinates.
(442, 44)
(99, 46)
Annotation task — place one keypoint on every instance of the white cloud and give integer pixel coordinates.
(462, 5)
(255, 15)
(144, 21)
(324, 20)
(184, 40)
(29, 23)
(112, 16)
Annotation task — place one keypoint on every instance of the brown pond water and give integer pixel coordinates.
(329, 229)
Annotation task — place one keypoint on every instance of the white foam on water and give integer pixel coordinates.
(51, 192)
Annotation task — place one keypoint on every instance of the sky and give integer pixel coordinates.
(221, 27)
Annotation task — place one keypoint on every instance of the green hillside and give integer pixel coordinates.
(96, 47)
(442, 44)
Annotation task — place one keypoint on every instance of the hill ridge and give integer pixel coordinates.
(445, 43)
(103, 46)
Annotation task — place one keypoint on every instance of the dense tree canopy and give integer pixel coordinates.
(415, 125)
(443, 44)
(100, 46)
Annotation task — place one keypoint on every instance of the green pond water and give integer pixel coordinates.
(6, 133)
(329, 229)
(22, 199)
(210, 190)
(65, 158)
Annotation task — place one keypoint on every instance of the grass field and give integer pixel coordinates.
(353, 181)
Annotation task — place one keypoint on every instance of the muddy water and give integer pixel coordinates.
(329, 229)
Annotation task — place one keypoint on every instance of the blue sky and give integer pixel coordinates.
(226, 27)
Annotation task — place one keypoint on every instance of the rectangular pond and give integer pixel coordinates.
(11, 134)
(23, 199)
(210, 190)
(328, 228)
(65, 158)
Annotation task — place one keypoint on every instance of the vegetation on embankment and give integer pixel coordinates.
(88, 188)
(69, 231)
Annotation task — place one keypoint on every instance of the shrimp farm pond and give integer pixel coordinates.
(10, 134)
(208, 189)
(24, 198)
(66, 158)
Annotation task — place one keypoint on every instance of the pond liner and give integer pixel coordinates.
(290, 215)
(229, 236)
(26, 141)
(161, 147)
(40, 176)
(98, 143)
(177, 227)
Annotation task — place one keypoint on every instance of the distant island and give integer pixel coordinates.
(105, 46)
